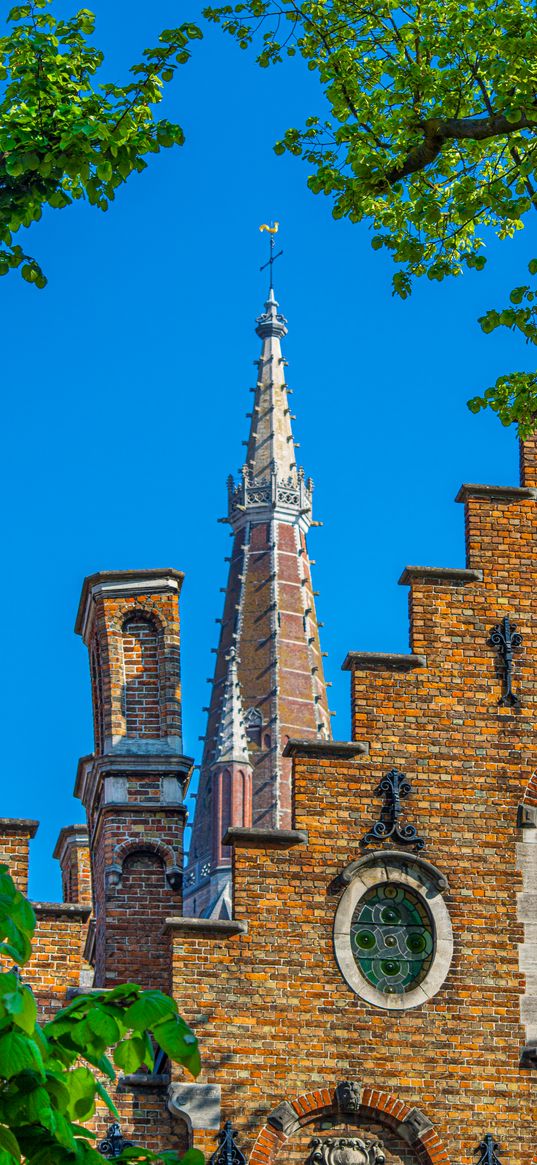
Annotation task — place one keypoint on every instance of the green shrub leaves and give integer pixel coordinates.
(48, 1081)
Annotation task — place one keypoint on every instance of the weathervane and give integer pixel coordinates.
(272, 230)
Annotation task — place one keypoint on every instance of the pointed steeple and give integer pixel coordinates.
(231, 742)
(268, 683)
(270, 477)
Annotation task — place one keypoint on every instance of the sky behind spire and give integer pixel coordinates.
(125, 389)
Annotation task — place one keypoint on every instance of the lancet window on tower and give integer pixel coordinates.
(141, 689)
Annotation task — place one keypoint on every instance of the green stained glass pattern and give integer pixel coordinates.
(392, 938)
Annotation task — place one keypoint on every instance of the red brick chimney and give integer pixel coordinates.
(133, 785)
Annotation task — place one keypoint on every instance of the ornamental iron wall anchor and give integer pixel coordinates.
(346, 1151)
(488, 1148)
(506, 639)
(227, 1153)
(114, 1143)
(393, 787)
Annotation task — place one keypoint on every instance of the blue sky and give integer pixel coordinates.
(126, 384)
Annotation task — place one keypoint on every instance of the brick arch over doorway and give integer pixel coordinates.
(404, 1119)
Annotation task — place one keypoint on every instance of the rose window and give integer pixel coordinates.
(392, 938)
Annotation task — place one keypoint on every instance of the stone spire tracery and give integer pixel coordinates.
(269, 624)
(231, 741)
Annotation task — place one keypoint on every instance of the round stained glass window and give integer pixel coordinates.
(392, 938)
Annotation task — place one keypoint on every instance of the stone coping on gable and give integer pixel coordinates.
(324, 748)
(61, 910)
(442, 574)
(264, 838)
(504, 493)
(219, 927)
(382, 661)
(19, 825)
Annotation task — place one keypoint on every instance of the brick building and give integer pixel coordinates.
(366, 994)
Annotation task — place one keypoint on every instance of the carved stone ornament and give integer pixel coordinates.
(346, 1151)
(348, 1096)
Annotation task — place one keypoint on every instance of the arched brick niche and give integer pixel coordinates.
(141, 640)
(412, 1136)
(154, 850)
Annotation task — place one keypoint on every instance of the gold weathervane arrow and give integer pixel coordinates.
(271, 230)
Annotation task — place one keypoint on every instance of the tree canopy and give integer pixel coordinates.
(51, 1076)
(64, 134)
(429, 131)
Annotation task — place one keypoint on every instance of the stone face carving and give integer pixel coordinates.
(348, 1096)
(346, 1151)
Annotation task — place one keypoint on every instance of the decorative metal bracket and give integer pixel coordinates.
(114, 1143)
(227, 1153)
(506, 639)
(393, 787)
(488, 1148)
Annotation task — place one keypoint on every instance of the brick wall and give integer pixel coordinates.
(279, 1021)
(141, 662)
(15, 836)
(133, 638)
(73, 854)
(131, 788)
(57, 963)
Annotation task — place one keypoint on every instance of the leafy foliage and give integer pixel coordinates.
(62, 135)
(51, 1076)
(514, 397)
(431, 131)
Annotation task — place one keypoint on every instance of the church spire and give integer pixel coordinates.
(270, 468)
(268, 680)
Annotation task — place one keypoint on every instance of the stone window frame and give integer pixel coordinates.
(375, 869)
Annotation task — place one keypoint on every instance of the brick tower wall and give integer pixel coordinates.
(15, 836)
(270, 606)
(132, 787)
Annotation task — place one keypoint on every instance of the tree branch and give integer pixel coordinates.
(438, 131)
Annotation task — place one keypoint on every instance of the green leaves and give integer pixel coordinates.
(21, 1006)
(430, 132)
(149, 1010)
(130, 1054)
(17, 1053)
(64, 135)
(514, 400)
(47, 1079)
(179, 1043)
(17, 919)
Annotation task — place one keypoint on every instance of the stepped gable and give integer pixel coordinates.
(300, 1043)
(269, 618)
